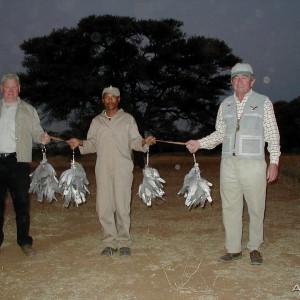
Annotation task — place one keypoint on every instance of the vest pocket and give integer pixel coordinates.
(250, 145)
(227, 144)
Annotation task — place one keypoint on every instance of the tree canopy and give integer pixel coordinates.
(288, 119)
(164, 76)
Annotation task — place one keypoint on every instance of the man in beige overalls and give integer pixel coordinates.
(113, 135)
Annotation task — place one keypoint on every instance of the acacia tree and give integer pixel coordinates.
(164, 76)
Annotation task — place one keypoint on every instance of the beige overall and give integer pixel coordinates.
(114, 140)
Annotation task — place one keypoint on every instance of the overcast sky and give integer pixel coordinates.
(264, 33)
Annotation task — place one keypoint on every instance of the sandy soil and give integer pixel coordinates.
(175, 250)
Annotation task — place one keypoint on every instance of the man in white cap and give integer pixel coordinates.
(245, 122)
(113, 135)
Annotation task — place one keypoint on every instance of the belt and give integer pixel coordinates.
(4, 155)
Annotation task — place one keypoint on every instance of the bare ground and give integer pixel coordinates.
(175, 250)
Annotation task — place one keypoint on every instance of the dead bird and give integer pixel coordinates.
(73, 184)
(44, 182)
(195, 189)
(152, 186)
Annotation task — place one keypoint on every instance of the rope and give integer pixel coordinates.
(170, 142)
(161, 141)
(57, 139)
(44, 151)
(73, 158)
(147, 162)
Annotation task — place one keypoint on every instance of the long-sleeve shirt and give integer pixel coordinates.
(27, 130)
(271, 132)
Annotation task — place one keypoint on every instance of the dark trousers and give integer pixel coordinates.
(14, 178)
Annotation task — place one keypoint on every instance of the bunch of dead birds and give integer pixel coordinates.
(151, 187)
(44, 182)
(195, 189)
(72, 183)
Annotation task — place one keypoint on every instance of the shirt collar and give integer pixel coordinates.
(246, 97)
(17, 102)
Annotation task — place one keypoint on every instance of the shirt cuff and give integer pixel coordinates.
(274, 160)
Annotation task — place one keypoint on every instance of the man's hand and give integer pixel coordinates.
(193, 145)
(45, 138)
(74, 143)
(272, 172)
(150, 140)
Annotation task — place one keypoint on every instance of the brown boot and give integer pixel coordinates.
(256, 258)
(229, 257)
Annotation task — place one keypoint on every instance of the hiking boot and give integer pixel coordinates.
(256, 258)
(229, 257)
(108, 251)
(125, 251)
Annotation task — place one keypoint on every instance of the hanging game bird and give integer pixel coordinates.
(195, 189)
(73, 184)
(152, 186)
(43, 180)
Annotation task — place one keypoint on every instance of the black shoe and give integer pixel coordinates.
(108, 251)
(28, 250)
(229, 257)
(256, 258)
(125, 251)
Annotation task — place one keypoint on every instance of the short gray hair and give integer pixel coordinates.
(10, 76)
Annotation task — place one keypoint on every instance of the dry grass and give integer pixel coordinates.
(175, 250)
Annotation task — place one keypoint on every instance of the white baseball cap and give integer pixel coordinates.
(113, 90)
(242, 69)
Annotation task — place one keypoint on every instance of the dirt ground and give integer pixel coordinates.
(175, 250)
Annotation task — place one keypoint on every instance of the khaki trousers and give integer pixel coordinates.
(241, 179)
(113, 205)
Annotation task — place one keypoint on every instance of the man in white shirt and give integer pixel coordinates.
(19, 128)
(245, 122)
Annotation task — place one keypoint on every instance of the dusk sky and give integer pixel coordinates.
(264, 33)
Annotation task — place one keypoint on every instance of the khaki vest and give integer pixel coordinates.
(248, 141)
